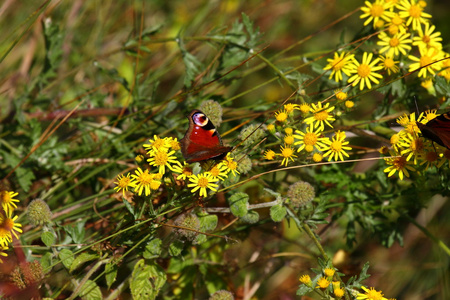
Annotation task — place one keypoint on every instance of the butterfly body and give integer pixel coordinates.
(437, 130)
(202, 141)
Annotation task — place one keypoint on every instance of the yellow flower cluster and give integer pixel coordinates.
(412, 152)
(325, 283)
(309, 135)
(162, 156)
(8, 225)
(405, 29)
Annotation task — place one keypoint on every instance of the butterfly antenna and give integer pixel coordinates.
(417, 107)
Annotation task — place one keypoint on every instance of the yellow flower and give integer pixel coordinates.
(394, 45)
(400, 164)
(157, 144)
(184, 170)
(288, 154)
(289, 107)
(376, 10)
(174, 144)
(202, 182)
(413, 12)
(340, 95)
(427, 38)
(426, 63)
(281, 116)
(219, 171)
(323, 283)
(161, 159)
(336, 147)
(317, 157)
(7, 200)
(123, 183)
(309, 140)
(271, 128)
(365, 71)
(8, 227)
(144, 181)
(413, 146)
(396, 24)
(338, 292)
(231, 165)
(305, 108)
(370, 294)
(349, 104)
(288, 130)
(321, 115)
(338, 65)
(288, 139)
(305, 279)
(389, 64)
(329, 272)
(269, 155)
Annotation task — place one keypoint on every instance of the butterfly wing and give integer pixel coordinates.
(437, 130)
(202, 141)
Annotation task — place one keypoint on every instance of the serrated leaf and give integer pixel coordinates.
(81, 259)
(175, 248)
(238, 204)
(303, 290)
(90, 291)
(110, 273)
(48, 238)
(47, 261)
(146, 280)
(153, 248)
(66, 257)
(277, 213)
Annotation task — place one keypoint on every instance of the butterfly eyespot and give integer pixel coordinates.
(200, 119)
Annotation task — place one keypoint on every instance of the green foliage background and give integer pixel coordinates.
(136, 69)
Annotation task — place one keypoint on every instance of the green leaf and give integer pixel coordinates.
(303, 290)
(207, 222)
(277, 213)
(252, 217)
(76, 232)
(47, 261)
(110, 273)
(175, 248)
(90, 291)
(153, 248)
(146, 280)
(442, 86)
(66, 257)
(238, 204)
(81, 259)
(48, 238)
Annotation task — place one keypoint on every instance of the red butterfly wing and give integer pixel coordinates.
(437, 130)
(202, 141)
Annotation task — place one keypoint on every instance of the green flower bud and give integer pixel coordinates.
(301, 193)
(252, 135)
(188, 221)
(39, 213)
(213, 111)
(222, 295)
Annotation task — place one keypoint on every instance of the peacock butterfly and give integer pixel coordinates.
(437, 130)
(202, 141)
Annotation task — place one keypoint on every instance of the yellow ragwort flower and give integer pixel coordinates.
(7, 200)
(202, 182)
(287, 153)
(269, 154)
(123, 183)
(336, 147)
(394, 45)
(8, 228)
(413, 12)
(370, 294)
(309, 140)
(376, 11)
(398, 163)
(339, 64)
(427, 62)
(365, 72)
(162, 159)
(321, 115)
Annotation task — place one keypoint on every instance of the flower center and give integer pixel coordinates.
(399, 162)
(376, 10)
(310, 139)
(415, 11)
(8, 224)
(389, 62)
(425, 60)
(364, 70)
(426, 39)
(394, 42)
(214, 171)
(431, 156)
(161, 158)
(396, 20)
(232, 165)
(158, 143)
(4, 232)
(203, 182)
(287, 152)
(4, 197)
(338, 64)
(321, 116)
(187, 171)
(123, 182)
(145, 177)
(374, 295)
(336, 146)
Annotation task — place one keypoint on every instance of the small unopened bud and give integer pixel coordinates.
(39, 213)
